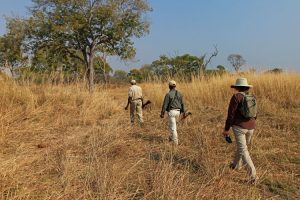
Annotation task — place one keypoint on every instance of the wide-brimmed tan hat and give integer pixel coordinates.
(172, 83)
(241, 82)
(133, 82)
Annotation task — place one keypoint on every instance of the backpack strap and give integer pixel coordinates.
(243, 93)
(172, 101)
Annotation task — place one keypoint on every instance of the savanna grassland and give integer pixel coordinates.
(60, 142)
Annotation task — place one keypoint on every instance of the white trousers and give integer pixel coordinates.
(173, 114)
(243, 137)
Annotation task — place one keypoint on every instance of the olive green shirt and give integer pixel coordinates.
(173, 100)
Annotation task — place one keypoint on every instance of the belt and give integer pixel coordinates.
(136, 99)
(175, 109)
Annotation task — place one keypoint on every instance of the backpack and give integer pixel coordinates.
(248, 106)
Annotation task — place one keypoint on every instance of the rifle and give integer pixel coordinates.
(145, 104)
(185, 115)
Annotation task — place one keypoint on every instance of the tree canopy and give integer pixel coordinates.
(11, 44)
(82, 28)
(171, 66)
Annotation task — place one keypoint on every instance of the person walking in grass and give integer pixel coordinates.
(173, 104)
(242, 117)
(135, 100)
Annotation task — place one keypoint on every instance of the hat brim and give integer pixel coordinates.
(249, 86)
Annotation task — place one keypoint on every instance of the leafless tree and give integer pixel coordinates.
(236, 61)
(203, 66)
(214, 54)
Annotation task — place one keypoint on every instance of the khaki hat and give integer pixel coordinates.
(172, 83)
(241, 82)
(133, 82)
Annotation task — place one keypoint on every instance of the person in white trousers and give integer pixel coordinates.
(173, 104)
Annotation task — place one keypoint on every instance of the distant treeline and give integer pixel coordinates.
(69, 41)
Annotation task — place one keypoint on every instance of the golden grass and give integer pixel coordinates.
(60, 142)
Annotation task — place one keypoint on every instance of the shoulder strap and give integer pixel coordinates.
(247, 94)
(174, 97)
(172, 100)
(243, 93)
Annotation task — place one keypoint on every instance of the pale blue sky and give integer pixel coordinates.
(265, 32)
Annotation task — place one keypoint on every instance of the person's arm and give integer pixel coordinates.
(164, 106)
(129, 98)
(233, 105)
(128, 102)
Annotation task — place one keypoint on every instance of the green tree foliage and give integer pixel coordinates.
(146, 72)
(216, 72)
(275, 71)
(185, 65)
(135, 74)
(221, 68)
(161, 67)
(47, 60)
(88, 27)
(11, 44)
(102, 69)
(120, 76)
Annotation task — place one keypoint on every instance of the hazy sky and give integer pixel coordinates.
(265, 32)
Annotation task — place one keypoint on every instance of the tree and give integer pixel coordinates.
(236, 61)
(146, 72)
(214, 54)
(88, 27)
(161, 67)
(135, 74)
(221, 68)
(275, 71)
(120, 75)
(46, 59)
(102, 68)
(11, 44)
(184, 65)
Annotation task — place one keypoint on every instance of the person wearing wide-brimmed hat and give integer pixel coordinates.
(135, 100)
(173, 104)
(242, 127)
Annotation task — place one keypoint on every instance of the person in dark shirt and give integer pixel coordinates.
(173, 104)
(242, 127)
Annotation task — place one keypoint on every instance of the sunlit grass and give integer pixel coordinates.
(60, 142)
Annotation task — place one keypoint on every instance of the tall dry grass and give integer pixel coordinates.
(60, 142)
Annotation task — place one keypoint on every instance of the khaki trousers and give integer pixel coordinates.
(136, 109)
(243, 137)
(173, 114)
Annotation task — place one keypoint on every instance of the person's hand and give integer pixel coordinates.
(126, 108)
(226, 133)
(161, 115)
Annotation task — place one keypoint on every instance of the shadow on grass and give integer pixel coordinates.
(148, 137)
(285, 189)
(178, 161)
